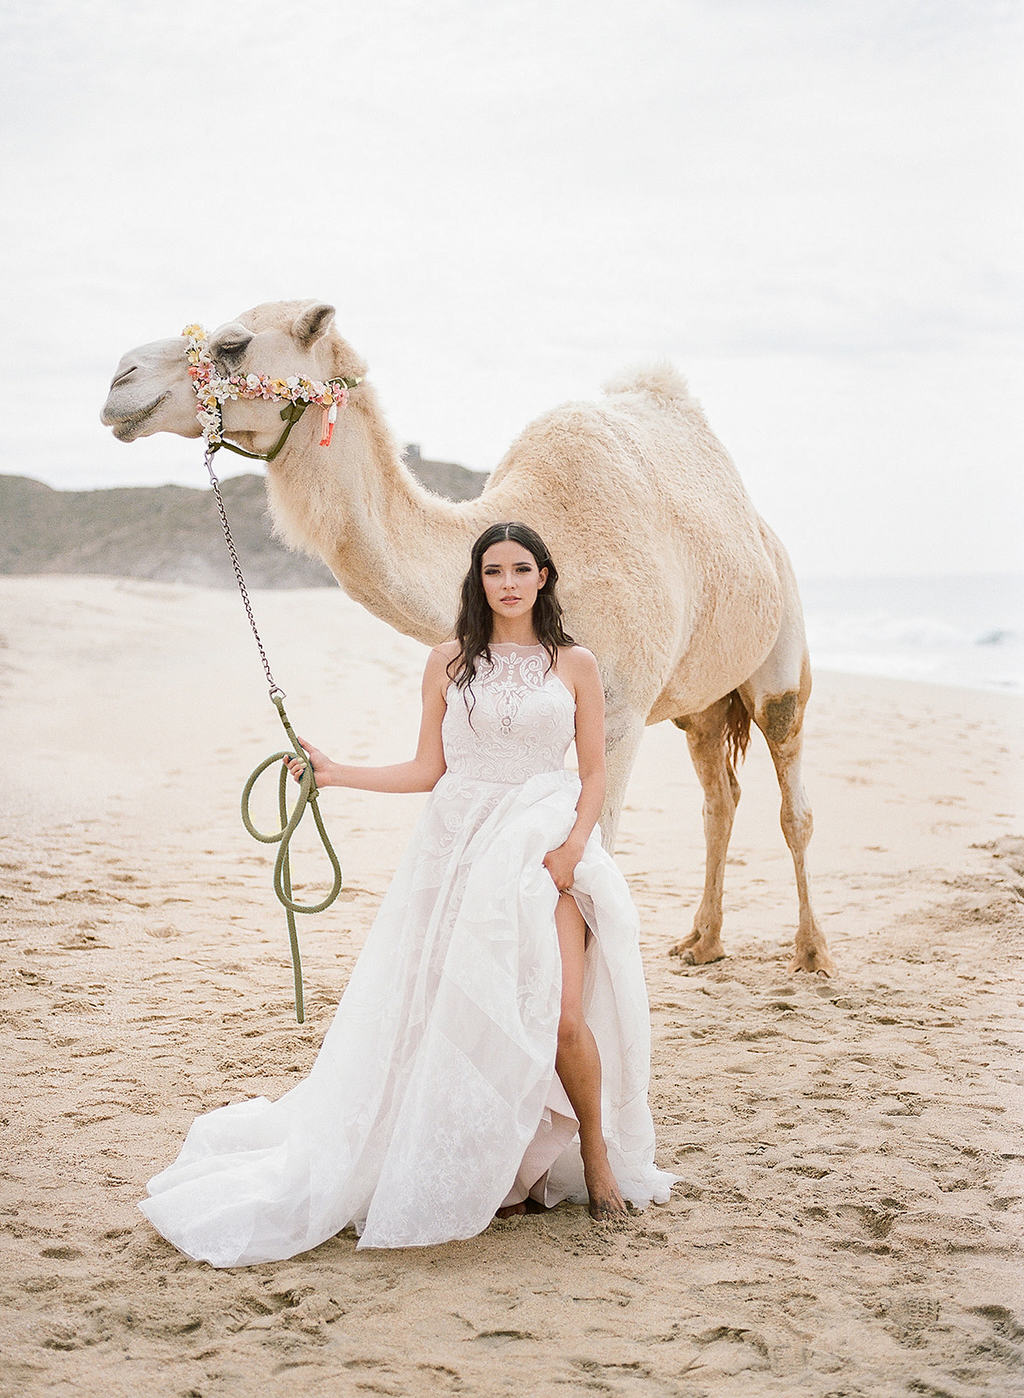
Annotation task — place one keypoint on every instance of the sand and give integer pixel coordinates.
(848, 1220)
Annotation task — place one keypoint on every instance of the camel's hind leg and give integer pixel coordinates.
(775, 696)
(778, 711)
(707, 736)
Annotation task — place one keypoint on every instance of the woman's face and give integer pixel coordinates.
(511, 578)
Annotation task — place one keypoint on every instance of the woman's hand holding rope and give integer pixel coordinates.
(322, 765)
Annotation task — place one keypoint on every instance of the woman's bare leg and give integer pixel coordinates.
(579, 1065)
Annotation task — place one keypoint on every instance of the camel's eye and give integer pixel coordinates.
(230, 349)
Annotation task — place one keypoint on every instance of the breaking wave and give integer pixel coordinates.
(948, 630)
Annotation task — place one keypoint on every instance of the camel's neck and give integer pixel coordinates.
(393, 546)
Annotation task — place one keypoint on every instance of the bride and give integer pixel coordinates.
(493, 1042)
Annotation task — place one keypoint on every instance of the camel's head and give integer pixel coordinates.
(152, 392)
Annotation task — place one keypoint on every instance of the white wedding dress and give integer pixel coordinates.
(434, 1098)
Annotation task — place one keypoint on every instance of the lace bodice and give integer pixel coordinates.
(516, 719)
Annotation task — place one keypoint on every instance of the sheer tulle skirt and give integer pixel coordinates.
(433, 1099)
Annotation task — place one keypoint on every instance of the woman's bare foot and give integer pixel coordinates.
(606, 1206)
(605, 1200)
(507, 1210)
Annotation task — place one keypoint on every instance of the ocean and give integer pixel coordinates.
(944, 629)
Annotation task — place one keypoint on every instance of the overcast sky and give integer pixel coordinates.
(813, 209)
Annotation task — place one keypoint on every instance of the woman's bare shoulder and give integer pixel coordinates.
(577, 667)
(578, 659)
(435, 672)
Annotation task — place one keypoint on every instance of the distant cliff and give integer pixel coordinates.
(170, 533)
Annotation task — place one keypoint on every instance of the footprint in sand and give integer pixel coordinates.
(911, 1317)
(731, 1350)
(63, 1337)
(1003, 1322)
(499, 1339)
(871, 1221)
(81, 941)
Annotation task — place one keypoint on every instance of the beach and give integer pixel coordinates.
(848, 1218)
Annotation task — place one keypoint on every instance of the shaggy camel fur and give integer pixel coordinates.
(668, 575)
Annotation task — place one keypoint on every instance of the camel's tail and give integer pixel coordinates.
(737, 729)
(661, 381)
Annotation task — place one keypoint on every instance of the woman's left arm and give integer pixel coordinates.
(586, 678)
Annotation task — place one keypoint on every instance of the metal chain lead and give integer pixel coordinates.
(275, 688)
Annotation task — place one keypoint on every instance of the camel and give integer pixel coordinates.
(683, 593)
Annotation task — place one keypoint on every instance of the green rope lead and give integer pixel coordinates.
(307, 786)
(308, 793)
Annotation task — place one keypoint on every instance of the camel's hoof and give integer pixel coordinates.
(815, 961)
(680, 948)
(693, 954)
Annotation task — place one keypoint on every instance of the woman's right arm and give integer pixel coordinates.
(425, 769)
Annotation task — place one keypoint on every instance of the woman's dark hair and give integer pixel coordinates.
(476, 620)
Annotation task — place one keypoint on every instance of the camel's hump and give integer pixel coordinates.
(660, 380)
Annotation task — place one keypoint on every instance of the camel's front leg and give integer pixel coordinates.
(706, 736)
(623, 732)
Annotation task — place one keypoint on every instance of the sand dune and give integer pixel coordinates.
(172, 533)
(848, 1220)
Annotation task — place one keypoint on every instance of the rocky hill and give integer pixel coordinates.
(170, 533)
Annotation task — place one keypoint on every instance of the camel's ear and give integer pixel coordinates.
(312, 323)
